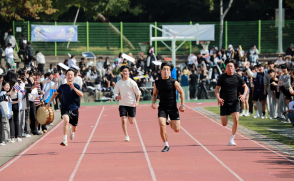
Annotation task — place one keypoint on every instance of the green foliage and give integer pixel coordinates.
(21, 9)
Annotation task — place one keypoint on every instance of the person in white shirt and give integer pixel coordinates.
(253, 55)
(78, 80)
(40, 61)
(100, 66)
(192, 59)
(280, 60)
(72, 61)
(128, 94)
(90, 63)
(9, 55)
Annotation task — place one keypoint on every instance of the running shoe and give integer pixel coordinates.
(165, 149)
(2, 144)
(232, 143)
(71, 135)
(127, 138)
(64, 143)
(263, 117)
(27, 135)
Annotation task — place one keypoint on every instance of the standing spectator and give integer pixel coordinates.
(192, 59)
(106, 63)
(141, 62)
(10, 39)
(203, 79)
(185, 84)
(29, 54)
(6, 34)
(286, 82)
(1, 52)
(230, 52)
(290, 50)
(72, 61)
(119, 58)
(40, 61)
(100, 66)
(253, 55)
(9, 56)
(280, 60)
(22, 47)
(193, 85)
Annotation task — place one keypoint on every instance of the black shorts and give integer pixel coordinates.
(73, 116)
(127, 111)
(229, 107)
(258, 96)
(172, 113)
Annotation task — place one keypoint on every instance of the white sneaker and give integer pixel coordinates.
(285, 121)
(256, 116)
(10, 141)
(270, 117)
(127, 138)
(232, 143)
(247, 114)
(27, 135)
(263, 117)
(18, 140)
(71, 135)
(241, 114)
(2, 144)
(51, 124)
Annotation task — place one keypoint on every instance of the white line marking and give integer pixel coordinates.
(237, 176)
(243, 136)
(85, 149)
(146, 154)
(28, 148)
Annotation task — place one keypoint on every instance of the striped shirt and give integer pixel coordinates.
(37, 99)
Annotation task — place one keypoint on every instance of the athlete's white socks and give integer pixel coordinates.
(64, 137)
(243, 111)
(232, 137)
(166, 144)
(247, 112)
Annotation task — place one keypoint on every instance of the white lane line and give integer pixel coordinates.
(224, 165)
(292, 161)
(85, 148)
(28, 148)
(146, 154)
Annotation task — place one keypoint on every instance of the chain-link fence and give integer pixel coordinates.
(113, 38)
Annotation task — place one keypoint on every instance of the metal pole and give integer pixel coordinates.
(259, 36)
(155, 44)
(74, 23)
(13, 30)
(121, 37)
(87, 36)
(190, 41)
(280, 28)
(29, 30)
(174, 52)
(55, 52)
(226, 43)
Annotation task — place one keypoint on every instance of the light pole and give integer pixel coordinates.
(280, 28)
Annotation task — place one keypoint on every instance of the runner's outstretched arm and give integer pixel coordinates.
(181, 92)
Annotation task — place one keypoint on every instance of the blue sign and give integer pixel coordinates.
(54, 33)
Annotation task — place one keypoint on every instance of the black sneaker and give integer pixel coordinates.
(167, 122)
(165, 149)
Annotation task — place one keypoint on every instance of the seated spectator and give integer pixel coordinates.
(90, 63)
(110, 79)
(280, 60)
(100, 66)
(82, 63)
(290, 50)
(107, 64)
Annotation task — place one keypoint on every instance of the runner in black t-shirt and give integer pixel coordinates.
(166, 88)
(228, 97)
(70, 103)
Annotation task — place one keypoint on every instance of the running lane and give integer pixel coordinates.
(186, 160)
(109, 157)
(248, 160)
(47, 160)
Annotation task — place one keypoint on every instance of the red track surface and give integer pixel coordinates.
(198, 152)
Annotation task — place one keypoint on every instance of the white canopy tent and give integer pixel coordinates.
(183, 33)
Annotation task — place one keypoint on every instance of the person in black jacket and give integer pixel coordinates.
(290, 50)
(22, 47)
(29, 51)
(193, 85)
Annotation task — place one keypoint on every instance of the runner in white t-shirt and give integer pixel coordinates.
(128, 93)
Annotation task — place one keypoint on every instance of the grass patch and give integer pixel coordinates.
(262, 126)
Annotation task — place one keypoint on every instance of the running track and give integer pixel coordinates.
(198, 152)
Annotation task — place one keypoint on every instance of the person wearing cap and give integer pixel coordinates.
(280, 60)
(128, 94)
(22, 47)
(290, 50)
(230, 52)
(72, 61)
(258, 93)
(253, 55)
(285, 81)
(270, 101)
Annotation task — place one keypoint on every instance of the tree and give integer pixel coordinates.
(222, 17)
(21, 9)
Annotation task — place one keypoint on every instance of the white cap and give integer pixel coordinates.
(230, 46)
